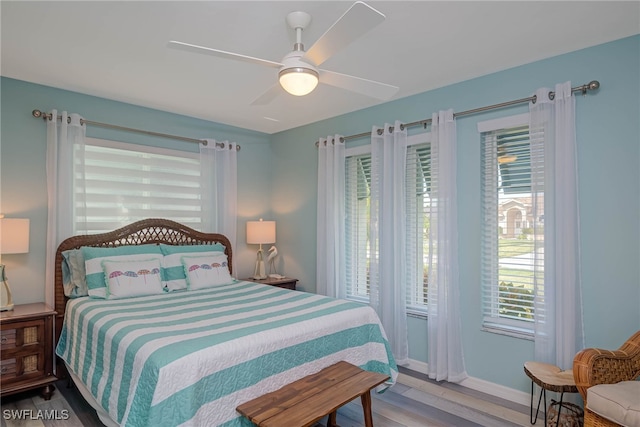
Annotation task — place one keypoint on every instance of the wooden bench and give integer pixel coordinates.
(307, 400)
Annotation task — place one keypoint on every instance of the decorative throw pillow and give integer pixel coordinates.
(172, 268)
(206, 271)
(93, 257)
(126, 279)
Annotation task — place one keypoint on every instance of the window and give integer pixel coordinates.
(510, 226)
(418, 186)
(357, 223)
(357, 226)
(123, 183)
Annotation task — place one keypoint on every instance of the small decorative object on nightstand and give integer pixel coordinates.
(284, 282)
(271, 260)
(27, 349)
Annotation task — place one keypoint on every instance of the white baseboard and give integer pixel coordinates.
(418, 366)
(503, 392)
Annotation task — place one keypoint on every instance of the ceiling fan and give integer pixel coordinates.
(298, 73)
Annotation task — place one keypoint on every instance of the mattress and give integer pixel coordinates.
(191, 358)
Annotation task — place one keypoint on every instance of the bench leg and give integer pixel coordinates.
(332, 420)
(366, 407)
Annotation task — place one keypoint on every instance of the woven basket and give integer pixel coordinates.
(571, 415)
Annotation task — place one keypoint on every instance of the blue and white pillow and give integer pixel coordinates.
(173, 270)
(93, 257)
(74, 280)
(206, 271)
(127, 279)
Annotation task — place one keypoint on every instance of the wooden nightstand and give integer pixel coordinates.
(287, 282)
(27, 349)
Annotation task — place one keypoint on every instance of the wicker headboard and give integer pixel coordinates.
(139, 233)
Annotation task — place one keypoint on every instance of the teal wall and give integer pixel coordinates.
(23, 177)
(608, 133)
(278, 180)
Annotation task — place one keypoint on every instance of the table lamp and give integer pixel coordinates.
(259, 232)
(14, 239)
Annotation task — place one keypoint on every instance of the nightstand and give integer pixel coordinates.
(26, 342)
(287, 282)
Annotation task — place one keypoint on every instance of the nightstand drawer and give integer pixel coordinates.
(8, 369)
(22, 368)
(22, 335)
(8, 339)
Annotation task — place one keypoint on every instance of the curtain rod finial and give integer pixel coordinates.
(592, 85)
(36, 113)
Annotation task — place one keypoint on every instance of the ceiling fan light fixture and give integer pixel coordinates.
(298, 81)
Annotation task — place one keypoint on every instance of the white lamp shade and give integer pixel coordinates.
(14, 236)
(298, 81)
(259, 232)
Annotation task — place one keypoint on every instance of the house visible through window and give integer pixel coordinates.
(123, 183)
(358, 226)
(509, 227)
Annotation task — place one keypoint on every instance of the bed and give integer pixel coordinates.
(191, 356)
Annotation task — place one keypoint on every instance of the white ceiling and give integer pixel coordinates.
(118, 50)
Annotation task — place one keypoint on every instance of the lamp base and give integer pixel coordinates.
(6, 301)
(259, 273)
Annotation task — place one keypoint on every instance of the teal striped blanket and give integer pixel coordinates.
(191, 358)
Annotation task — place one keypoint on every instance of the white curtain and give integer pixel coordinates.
(559, 329)
(446, 359)
(63, 137)
(388, 271)
(219, 184)
(331, 272)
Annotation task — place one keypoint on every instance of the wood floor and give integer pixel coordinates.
(413, 402)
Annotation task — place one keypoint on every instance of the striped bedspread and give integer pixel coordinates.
(191, 358)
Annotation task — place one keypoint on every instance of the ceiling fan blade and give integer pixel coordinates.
(355, 22)
(373, 89)
(269, 95)
(221, 53)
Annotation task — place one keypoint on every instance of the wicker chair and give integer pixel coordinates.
(594, 366)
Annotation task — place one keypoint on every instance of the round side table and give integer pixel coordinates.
(552, 378)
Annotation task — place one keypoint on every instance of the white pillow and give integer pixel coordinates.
(174, 275)
(206, 271)
(126, 279)
(93, 258)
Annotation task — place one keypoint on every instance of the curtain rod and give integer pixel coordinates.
(38, 114)
(592, 85)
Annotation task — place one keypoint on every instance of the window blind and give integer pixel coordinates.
(508, 219)
(123, 183)
(358, 179)
(358, 197)
(418, 185)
